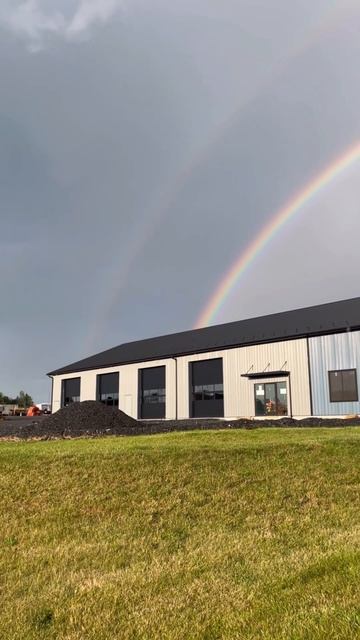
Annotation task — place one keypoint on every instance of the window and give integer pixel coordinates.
(271, 399)
(206, 388)
(107, 390)
(208, 392)
(70, 391)
(153, 396)
(343, 386)
(152, 393)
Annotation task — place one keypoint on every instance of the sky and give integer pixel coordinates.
(144, 145)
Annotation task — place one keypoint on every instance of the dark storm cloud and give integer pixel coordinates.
(95, 129)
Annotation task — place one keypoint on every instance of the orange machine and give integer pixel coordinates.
(33, 411)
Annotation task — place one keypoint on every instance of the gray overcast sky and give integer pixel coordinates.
(144, 144)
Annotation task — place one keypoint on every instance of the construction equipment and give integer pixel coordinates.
(33, 411)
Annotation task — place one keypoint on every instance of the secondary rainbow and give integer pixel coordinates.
(281, 218)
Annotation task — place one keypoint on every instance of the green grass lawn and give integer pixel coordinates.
(220, 534)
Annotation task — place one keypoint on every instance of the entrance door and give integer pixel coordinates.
(271, 399)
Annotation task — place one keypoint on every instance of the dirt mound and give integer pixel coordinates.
(79, 419)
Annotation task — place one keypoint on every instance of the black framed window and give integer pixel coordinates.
(152, 393)
(107, 389)
(271, 399)
(70, 391)
(343, 386)
(208, 392)
(206, 388)
(153, 396)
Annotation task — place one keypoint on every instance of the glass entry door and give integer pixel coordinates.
(271, 399)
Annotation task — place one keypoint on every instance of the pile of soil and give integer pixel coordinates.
(87, 418)
(92, 418)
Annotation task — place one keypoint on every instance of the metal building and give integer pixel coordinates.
(296, 363)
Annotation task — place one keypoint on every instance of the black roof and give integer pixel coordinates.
(334, 317)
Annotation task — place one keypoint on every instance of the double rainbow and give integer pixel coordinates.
(281, 218)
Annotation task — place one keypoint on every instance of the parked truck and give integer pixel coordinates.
(12, 410)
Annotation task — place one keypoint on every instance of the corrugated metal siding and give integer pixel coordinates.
(290, 356)
(87, 385)
(331, 353)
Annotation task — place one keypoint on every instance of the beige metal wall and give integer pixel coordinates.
(128, 381)
(290, 355)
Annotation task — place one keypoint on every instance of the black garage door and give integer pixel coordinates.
(107, 389)
(70, 391)
(206, 391)
(152, 393)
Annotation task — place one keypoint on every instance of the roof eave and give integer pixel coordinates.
(168, 356)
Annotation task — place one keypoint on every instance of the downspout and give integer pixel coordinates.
(176, 388)
(290, 397)
(310, 381)
(52, 393)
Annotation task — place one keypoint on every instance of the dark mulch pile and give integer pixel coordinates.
(88, 418)
(94, 419)
(244, 423)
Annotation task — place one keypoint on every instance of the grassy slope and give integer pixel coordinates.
(233, 534)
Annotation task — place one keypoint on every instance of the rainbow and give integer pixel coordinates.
(269, 231)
